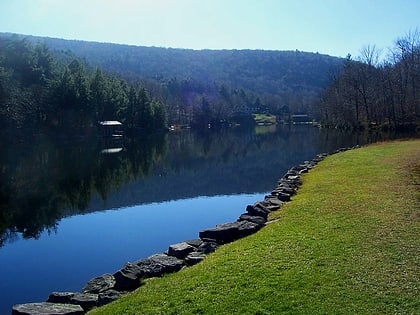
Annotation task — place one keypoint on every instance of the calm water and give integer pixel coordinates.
(72, 211)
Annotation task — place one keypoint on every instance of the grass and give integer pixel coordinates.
(264, 119)
(348, 243)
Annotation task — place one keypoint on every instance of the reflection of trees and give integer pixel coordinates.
(45, 181)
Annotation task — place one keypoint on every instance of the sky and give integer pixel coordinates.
(333, 27)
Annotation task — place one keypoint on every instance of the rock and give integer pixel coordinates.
(194, 258)
(208, 247)
(257, 211)
(291, 173)
(170, 263)
(250, 218)
(108, 297)
(286, 189)
(153, 267)
(180, 250)
(85, 300)
(100, 284)
(195, 243)
(127, 278)
(303, 171)
(60, 297)
(288, 183)
(283, 197)
(47, 308)
(228, 232)
(273, 207)
(273, 201)
(150, 268)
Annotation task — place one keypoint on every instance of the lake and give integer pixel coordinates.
(74, 210)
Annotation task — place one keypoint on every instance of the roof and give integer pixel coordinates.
(110, 123)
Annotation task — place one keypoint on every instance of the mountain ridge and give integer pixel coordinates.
(271, 72)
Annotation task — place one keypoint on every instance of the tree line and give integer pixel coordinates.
(39, 92)
(46, 88)
(369, 92)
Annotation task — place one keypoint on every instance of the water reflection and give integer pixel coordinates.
(46, 180)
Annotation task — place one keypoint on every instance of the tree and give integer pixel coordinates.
(369, 93)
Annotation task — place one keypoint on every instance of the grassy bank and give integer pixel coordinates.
(348, 243)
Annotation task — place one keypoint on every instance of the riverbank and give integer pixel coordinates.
(350, 249)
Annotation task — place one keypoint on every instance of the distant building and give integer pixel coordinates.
(111, 128)
(300, 119)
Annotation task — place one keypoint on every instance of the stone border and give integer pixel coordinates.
(107, 288)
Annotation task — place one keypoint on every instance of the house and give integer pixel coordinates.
(111, 128)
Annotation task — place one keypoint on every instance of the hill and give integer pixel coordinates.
(277, 80)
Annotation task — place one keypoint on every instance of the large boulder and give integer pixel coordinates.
(251, 218)
(85, 300)
(151, 268)
(157, 265)
(286, 189)
(47, 308)
(273, 203)
(228, 232)
(195, 243)
(170, 263)
(258, 209)
(60, 297)
(180, 250)
(128, 277)
(100, 284)
(207, 247)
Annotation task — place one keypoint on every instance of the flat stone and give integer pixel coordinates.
(170, 263)
(180, 250)
(251, 218)
(47, 308)
(257, 211)
(149, 268)
(195, 243)
(286, 189)
(194, 258)
(273, 207)
(60, 297)
(273, 201)
(208, 247)
(100, 284)
(85, 300)
(228, 232)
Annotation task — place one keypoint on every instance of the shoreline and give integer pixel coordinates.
(107, 288)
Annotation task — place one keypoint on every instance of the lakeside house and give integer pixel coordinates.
(111, 128)
(300, 119)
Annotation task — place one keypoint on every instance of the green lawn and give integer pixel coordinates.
(348, 243)
(264, 118)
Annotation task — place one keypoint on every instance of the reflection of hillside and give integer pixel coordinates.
(46, 180)
(43, 181)
(222, 163)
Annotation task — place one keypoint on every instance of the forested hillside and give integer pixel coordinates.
(257, 70)
(209, 86)
(374, 93)
(39, 92)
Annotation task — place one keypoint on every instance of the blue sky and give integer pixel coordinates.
(334, 27)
